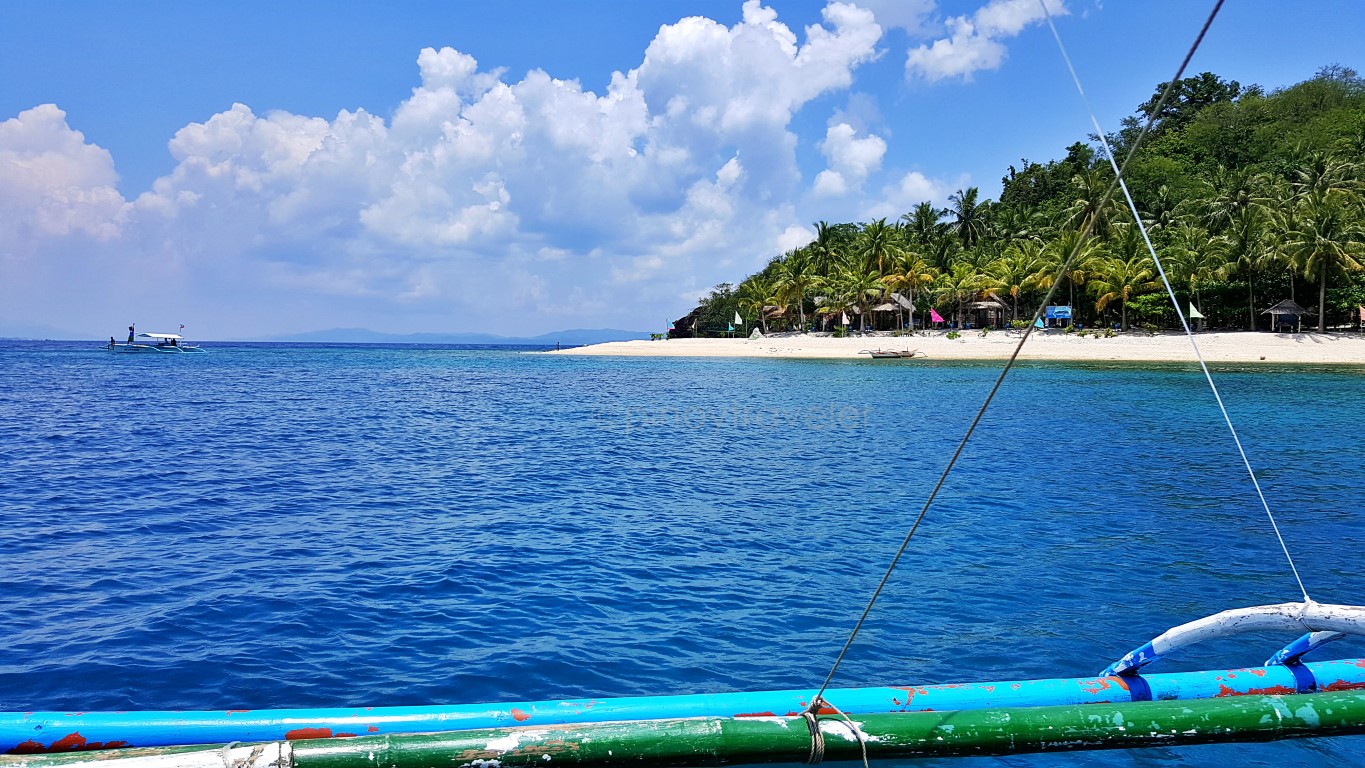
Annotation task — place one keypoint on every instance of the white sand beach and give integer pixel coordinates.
(1233, 347)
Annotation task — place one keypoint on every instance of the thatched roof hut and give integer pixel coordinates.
(1286, 314)
(1287, 307)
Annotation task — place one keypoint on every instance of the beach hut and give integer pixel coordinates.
(988, 313)
(880, 311)
(1286, 317)
(907, 305)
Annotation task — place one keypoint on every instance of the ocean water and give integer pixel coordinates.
(346, 525)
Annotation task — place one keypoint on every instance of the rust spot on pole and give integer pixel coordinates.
(1270, 690)
(72, 742)
(308, 733)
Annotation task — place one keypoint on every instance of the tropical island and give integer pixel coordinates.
(1254, 201)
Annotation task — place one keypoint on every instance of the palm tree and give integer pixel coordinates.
(1160, 210)
(969, 217)
(1090, 208)
(910, 272)
(1074, 252)
(1244, 249)
(1017, 224)
(1021, 268)
(924, 224)
(1119, 279)
(755, 293)
(1318, 172)
(960, 285)
(850, 285)
(1191, 259)
(878, 242)
(1329, 241)
(793, 276)
(823, 250)
(1231, 192)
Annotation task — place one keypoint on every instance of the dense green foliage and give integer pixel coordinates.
(1249, 198)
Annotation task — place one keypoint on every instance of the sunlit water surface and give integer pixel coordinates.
(296, 526)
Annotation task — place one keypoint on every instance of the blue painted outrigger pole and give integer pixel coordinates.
(37, 732)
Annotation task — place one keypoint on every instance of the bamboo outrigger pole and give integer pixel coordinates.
(708, 741)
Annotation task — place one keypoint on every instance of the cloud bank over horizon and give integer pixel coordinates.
(484, 204)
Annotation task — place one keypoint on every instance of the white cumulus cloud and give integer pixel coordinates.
(851, 160)
(974, 43)
(53, 183)
(480, 196)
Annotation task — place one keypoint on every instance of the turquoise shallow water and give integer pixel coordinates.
(293, 525)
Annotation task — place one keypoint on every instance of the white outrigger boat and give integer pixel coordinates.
(157, 343)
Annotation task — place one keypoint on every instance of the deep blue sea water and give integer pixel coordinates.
(279, 525)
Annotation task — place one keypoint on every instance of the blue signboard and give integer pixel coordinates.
(1059, 313)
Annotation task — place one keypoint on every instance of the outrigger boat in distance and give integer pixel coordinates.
(159, 342)
(887, 354)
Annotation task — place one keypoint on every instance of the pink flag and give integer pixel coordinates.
(934, 315)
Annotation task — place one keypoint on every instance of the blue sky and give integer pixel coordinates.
(513, 167)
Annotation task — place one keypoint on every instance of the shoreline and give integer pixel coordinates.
(1169, 347)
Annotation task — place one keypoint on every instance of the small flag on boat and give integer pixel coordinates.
(1038, 322)
(843, 319)
(738, 320)
(935, 316)
(1195, 314)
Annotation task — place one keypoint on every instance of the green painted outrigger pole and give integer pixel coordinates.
(707, 741)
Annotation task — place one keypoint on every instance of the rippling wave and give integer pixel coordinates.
(294, 525)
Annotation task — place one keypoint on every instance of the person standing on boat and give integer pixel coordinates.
(130, 334)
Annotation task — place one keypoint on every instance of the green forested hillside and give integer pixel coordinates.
(1249, 197)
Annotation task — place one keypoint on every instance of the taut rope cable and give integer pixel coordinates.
(1009, 364)
(1137, 219)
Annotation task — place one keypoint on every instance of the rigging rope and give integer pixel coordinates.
(1137, 219)
(1009, 364)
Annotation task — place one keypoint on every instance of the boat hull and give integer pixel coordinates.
(156, 349)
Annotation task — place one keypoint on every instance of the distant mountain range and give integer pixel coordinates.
(574, 336)
(42, 333)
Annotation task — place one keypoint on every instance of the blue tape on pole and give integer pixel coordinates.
(1303, 677)
(1138, 688)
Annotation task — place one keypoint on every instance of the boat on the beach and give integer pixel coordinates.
(157, 343)
(887, 354)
